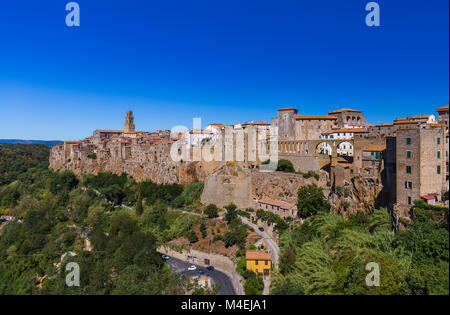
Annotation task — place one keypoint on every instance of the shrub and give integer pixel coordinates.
(211, 211)
(285, 166)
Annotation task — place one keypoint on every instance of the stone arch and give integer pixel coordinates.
(324, 148)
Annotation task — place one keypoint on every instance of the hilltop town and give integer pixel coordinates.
(360, 166)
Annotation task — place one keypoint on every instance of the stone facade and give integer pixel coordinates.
(348, 116)
(420, 165)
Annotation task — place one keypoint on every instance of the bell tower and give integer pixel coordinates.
(129, 122)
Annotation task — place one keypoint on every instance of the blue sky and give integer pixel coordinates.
(221, 60)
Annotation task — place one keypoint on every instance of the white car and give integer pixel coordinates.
(190, 268)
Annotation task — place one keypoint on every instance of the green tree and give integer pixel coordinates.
(211, 211)
(311, 200)
(232, 212)
(285, 166)
(287, 260)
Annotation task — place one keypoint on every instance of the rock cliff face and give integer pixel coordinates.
(138, 162)
(361, 195)
(233, 183)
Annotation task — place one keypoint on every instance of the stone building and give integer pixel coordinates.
(372, 160)
(286, 122)
(278, 207)
(348, 116)
(129, 123)
(420, 164)
(311, 127)
(381, 130)
(443, 116)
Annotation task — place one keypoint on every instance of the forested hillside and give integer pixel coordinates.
(93, 217)
(15, 159)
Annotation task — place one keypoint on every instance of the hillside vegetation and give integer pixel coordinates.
(15, 159)
(328, 255)
(95, 218)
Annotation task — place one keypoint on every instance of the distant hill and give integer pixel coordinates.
(49, 143)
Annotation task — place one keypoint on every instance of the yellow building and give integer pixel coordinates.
(258, 261)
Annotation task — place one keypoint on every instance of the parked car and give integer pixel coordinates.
(192, 267)
(261, 229)
(202, 271)
(165, 257)
(210, 268)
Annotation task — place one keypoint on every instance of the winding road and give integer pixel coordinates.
(271, 244)
(218, 277)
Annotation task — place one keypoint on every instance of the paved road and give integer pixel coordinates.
(180, 266)
(271, 244)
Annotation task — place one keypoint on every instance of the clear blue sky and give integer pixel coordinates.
(221, 60)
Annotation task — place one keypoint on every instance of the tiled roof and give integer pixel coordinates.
(375, 148)
(257, 123)
(343, 110)
(421, 116)
(354, 130)
(430, 196)
(311, 117)
(442, 109)
(278, 203)
(257, 255)
(384, 125)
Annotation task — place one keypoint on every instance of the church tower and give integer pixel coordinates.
(129, 122)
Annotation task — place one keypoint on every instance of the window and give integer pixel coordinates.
(256, 263)
(408, 185)
(408, 154)
(409, 200)
(266, 262)
(438, 140)
(439, 169)
(408, 141)
(438, 154)
(408, 169)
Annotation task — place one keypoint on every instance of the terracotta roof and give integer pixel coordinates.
(385, 125)
(310, 117)
(430, 196)
(442, 109)
(354, 130)
(405, 121)
(72, 142)
(278, 203)
(361, 124)
(217, 125)
(287, 108)
(257, 123)
(257, 255)
(343, 164)
(375, 148)
(343, 110)
(421, 116)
